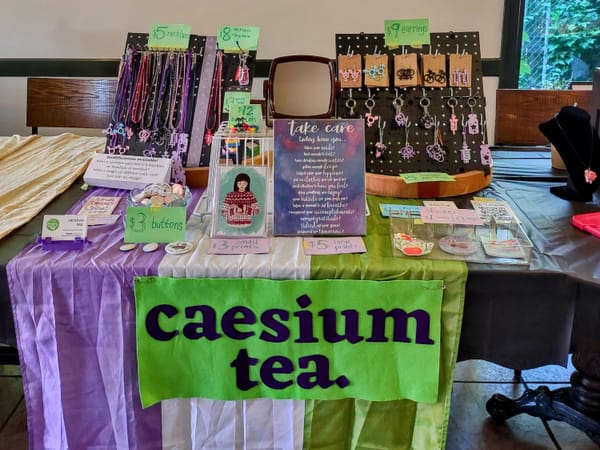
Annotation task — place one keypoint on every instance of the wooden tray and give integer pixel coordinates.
(389, 186)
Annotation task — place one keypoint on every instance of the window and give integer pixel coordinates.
(560, 43)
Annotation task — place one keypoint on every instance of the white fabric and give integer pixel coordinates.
(258, 424)
(36, 169)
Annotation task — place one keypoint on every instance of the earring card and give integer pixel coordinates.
(460, 67)
(350, 71)
(376, 71)
(406, 70)
(434, 70)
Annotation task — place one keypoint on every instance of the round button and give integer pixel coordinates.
(177, 248)
(152, 246)
(127, 247)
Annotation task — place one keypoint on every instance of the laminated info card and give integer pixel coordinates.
(319, 177)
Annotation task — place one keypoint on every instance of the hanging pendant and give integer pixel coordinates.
(589, 175)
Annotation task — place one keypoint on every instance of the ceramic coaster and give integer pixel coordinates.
(126, 247)
(152, 246)
(178, 248)
(458, 245)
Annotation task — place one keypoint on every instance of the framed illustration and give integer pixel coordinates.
(241, 206)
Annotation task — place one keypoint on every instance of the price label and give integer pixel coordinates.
(172, 36)
(238, 246)
(245, 118)
(457, 216)
(235, 98)
(413, 32)
(236, 39)
(149, 224)
(423, 177)
(334, 246)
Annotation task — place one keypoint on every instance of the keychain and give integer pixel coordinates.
(242, 74)
(472, 122)
(398, 102)
(426, 121)
(465, 151)
(380, 146)
(350, 104)
(453, 121)
(484, 148)
(370, 104)
(435, 150)
(407, 151)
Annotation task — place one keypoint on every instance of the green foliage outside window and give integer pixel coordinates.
(561, 43)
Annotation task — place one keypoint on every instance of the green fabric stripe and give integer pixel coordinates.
(401, 424)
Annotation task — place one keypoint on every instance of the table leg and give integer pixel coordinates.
(577, 405)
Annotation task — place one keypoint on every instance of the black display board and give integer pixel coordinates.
(384, 104)
(155, 101)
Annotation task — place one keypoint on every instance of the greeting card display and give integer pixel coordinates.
(241, 206)
(319, 184)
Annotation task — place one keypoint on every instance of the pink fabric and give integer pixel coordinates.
(75, 323)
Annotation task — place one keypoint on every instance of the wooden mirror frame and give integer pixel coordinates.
(268, 88)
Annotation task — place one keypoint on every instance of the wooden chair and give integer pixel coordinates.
(69, 102)
(520, 111)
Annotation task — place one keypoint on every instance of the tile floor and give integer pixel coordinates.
(470, 426)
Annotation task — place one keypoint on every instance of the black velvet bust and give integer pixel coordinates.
(576, 140)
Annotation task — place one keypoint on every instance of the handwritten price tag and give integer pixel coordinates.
(424, 177)
(244, 118)
(173, 36)
(148, 224)
(458, 216)
(235, 98)
(235, 39)
(241, 246)
(334, 246)
(413, 32)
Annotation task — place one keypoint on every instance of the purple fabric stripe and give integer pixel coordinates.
(75, 323)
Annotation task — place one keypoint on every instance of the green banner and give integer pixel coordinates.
(319, 339)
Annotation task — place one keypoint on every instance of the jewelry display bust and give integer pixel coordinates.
(577, 142)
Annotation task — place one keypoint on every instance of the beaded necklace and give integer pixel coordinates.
(213, 117)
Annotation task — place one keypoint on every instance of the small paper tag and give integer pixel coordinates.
(238, 246)
(169, 36)
(334, 246)
(350, 71)
(245, 118)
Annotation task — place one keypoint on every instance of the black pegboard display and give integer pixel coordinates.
(455, 152)
(154, 104)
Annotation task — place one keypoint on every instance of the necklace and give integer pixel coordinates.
(213, 117)
(588, 174)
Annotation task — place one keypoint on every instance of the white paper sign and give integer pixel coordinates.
(127, 172)
(66, 227)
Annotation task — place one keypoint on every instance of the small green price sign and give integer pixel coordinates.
(413, 32)
(150, 224)
(171, 36)
(234, 39)
(245, 118)
(423, 177)
(235, 98)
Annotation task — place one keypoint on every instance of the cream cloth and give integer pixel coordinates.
(36, 169)
(255, 424)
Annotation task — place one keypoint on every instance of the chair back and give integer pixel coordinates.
(69, 102)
